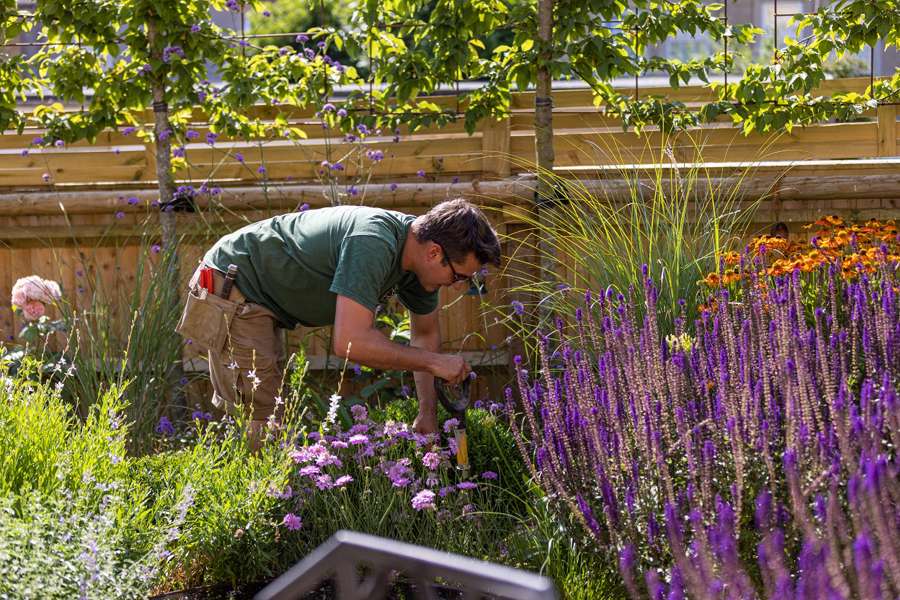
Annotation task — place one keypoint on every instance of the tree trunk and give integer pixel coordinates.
(543, 140)
(543, 100)
(163, 148)
(166, 186)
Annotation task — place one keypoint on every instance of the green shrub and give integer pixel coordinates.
(45, 448)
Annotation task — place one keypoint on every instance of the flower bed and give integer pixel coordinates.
(750, 453)
(80, 516)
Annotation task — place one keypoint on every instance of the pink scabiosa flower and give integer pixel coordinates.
(359, 412)
(292, 522)
(489, 475)
(431, 460)
(358, 428)
(424, 500)
(342, 481)
(399, 473)
(358, 440)
(466, 485)
(310, 471)
(450, 425)
(328, 459)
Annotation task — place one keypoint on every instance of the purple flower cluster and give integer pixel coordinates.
(385, 452)
(165, 427)
(752, 454)
(171, 51)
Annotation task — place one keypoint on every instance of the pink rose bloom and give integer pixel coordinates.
(31, 293)
(35, 288)
(33, 310)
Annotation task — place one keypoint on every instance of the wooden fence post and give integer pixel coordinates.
(887, 130)
(495, 146)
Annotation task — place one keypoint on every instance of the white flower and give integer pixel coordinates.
(278, 401)
(233, 365)
(334, 403)
(254, 380)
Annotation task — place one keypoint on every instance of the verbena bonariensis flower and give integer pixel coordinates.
(752, 455)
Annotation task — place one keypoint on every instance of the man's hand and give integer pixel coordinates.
(451, 367)
(426, 422)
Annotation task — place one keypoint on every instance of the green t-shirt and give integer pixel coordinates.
(296, 264)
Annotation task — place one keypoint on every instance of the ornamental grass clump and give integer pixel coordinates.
(752, 454)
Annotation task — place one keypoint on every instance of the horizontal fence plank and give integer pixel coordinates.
(574, 147)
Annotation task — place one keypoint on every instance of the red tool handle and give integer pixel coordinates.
(206, 279)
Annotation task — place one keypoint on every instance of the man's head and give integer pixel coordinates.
(456, 240)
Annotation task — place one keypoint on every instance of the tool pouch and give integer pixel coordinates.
(206, 319)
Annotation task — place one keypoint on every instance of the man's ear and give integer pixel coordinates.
(433, 251)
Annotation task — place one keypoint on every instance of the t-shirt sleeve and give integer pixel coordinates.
(362, 267)
(417, 299)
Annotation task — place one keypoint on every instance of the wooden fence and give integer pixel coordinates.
(82, 209)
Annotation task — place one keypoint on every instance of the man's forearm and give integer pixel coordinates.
(373, 349)
(425, 380)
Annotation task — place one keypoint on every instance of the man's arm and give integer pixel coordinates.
(426, 334)
(354, 328)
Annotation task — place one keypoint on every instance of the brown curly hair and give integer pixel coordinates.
(459, 227)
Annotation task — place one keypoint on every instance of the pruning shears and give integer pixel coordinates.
(456, 400)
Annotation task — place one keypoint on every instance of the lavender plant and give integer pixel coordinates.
(752, 455)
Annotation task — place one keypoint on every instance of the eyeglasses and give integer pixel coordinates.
(477, 286)
(457, 277)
